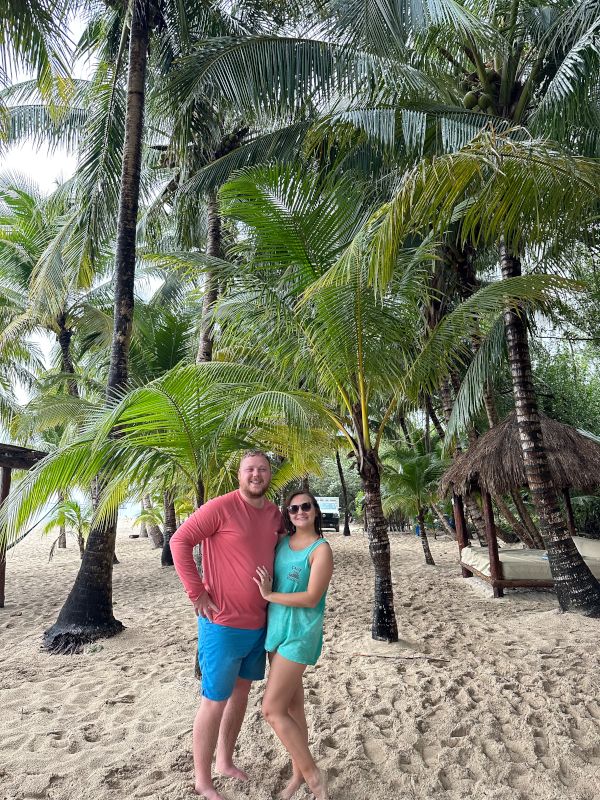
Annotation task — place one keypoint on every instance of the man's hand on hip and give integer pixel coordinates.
(204, 607)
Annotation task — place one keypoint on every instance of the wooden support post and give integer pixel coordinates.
(492, 542)
(4, 490)
(458, 510)
(570, 515)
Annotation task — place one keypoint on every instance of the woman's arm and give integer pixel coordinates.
(321, 570)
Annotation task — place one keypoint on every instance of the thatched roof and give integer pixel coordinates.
(495, 462)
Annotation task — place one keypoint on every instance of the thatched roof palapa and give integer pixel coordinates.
(494, 462)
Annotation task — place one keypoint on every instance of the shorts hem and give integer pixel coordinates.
(215, 699)
(306, 662)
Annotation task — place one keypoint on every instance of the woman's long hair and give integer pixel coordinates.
(289, 526)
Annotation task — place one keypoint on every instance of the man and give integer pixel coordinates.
(238, 532)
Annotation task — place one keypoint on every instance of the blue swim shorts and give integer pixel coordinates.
(226, 654)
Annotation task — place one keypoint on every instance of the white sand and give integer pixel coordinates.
(514, 713)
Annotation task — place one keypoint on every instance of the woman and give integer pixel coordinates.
(296, 596)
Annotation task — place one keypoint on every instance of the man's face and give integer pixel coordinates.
(254, 476)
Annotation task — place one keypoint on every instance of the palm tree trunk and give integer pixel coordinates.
(143, 527)
(64, 340)
(344, 494)
(434, 417)
(424, 540)
(211, 283)
(520, 530)
(88, 611)
(64, 337)
(384, 625)
(154, 531)
(526, 519)
(576, 587)
(405, 430)
(166, 558)
(62, 531)
(444, 522)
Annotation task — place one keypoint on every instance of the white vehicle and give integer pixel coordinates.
(330, 511)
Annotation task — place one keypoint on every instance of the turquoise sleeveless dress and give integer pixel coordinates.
(295, 633)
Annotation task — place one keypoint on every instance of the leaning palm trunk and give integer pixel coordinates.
(519, 529)
(166, 559)
(62, 531)
(154, 532)
(88, 611)
(576, 587)
(424, 540)
(443, 521)
(344, 494)
(384, 625)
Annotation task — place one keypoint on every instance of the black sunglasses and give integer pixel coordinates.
(302, 507)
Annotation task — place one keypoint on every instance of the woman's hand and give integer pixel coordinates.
(264, 582)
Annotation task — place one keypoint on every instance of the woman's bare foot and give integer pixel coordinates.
(294, 783)
(317, 783)
(208, 792)
(232, 771)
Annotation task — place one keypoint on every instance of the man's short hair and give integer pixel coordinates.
(252, 453)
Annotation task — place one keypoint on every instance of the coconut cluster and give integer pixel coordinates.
(478, 98)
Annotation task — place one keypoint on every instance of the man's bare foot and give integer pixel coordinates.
(294, 783)
(232, 772)
(208, 792)
(317, 783)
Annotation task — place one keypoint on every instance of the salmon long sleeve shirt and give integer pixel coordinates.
(236, 538)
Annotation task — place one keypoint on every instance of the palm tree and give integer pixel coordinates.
(411, 477)
(70, 516)
(186, 427)
(353, 347)
(517, 193)
(87, 613)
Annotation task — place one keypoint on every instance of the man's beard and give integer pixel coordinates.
(257, 491)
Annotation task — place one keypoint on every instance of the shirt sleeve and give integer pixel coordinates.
(202, 524)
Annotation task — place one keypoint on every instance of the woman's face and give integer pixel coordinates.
(300, 517)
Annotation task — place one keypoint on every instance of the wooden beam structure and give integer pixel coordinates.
(492, 542)
(12, 457)
(460, 523)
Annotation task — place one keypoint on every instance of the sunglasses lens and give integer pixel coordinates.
(303, 506)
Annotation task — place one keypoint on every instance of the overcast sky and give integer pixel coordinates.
(47, 169)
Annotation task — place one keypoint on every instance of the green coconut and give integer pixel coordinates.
(485, 102)
(470, 100)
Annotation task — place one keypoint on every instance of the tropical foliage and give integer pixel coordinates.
(343, 228)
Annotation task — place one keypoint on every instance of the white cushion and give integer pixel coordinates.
(589, 548)
(530, 565)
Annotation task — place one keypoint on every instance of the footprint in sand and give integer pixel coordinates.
(593, 709)
(591, 755)
(564, 773)
(428, 752)
(444, 780)
(375, 750)
(540, 744)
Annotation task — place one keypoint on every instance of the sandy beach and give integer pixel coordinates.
(482, 698)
